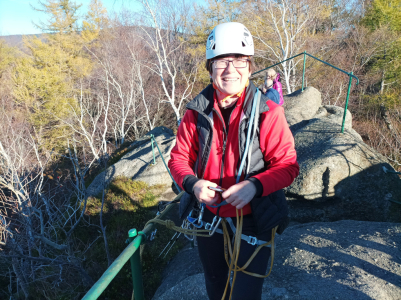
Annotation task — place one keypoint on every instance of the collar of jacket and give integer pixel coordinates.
(203, 102)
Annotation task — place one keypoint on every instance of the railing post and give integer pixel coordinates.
(153, 149)
(136, 269)
(346, 101)
(168, 170)
(303, 72)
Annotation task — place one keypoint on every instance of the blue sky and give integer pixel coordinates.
(16, 16)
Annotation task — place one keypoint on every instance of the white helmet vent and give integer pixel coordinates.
(210, 43)
(229, 38)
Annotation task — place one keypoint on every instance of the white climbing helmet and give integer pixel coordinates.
(229, 38)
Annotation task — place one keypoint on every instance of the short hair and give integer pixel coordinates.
(271, 73)
(209, 62)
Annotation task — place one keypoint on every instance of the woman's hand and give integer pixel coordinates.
(204, 194)
(240, 194)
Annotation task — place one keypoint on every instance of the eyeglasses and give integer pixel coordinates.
(237, 63)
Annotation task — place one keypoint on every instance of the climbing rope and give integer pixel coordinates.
(231, 253)
(171, 225)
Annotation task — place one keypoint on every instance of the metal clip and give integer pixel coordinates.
(209, 226)
(201, 215)
(215, 227)
(193, 220)
(186, 225)
(252, 240)
(212, 227)
(152, 235)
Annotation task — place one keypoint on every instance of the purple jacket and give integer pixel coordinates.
(277, 86)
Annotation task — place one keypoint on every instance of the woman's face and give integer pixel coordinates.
(231, 80)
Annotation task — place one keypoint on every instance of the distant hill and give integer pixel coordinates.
(16, 40)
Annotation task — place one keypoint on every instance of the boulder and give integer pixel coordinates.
(335, 114)
(332, 260)
(179, 271)
(342, 173)
(138, 163)
(300, 106)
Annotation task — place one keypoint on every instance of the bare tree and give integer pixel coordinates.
(122, 76)
(36, 222)
(164, 33)
(282, 29)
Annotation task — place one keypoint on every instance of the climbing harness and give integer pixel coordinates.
(193, 224)
(231, 255)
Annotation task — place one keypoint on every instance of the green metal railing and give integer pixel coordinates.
(350, 74)
(131, 252)
(164, 162)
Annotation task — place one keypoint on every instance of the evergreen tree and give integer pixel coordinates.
(47, 80)
(385, 16)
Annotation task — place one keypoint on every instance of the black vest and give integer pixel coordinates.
(268, 211)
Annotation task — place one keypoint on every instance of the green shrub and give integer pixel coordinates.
(128, 204)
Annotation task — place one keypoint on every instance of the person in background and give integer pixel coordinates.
(271, 74)
(271, 93)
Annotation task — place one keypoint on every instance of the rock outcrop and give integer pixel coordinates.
(300, 106)
(138, 163)
(340, 175)
(331, 260)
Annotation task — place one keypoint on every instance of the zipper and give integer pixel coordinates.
(206, 154)
(239, 146)
(225, 135)
(210, 137)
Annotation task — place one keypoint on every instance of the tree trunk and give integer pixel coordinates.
(382, 83)
(385, 117)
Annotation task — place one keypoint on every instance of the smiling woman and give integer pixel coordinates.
(210, 146)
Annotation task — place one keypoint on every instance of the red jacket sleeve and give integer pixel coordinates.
(277, 145)
(184, 154)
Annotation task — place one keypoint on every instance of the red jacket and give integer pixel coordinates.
(276, 144)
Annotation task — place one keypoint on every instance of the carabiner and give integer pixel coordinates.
(215, 227)
(192, 220)
(201, 214)
(212, 227)
(186, 225)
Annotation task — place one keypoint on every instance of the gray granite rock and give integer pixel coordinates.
(333, 260)
(342, 173)
(300, 106)
(138, 163)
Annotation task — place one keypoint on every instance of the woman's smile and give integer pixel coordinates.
(230, 80)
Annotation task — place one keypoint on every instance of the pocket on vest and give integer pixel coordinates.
(187, 203)
(269, 211)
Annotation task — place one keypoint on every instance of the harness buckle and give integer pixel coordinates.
(252, 240)
(153, 234)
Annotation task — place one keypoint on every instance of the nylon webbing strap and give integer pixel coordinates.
(250, 239)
